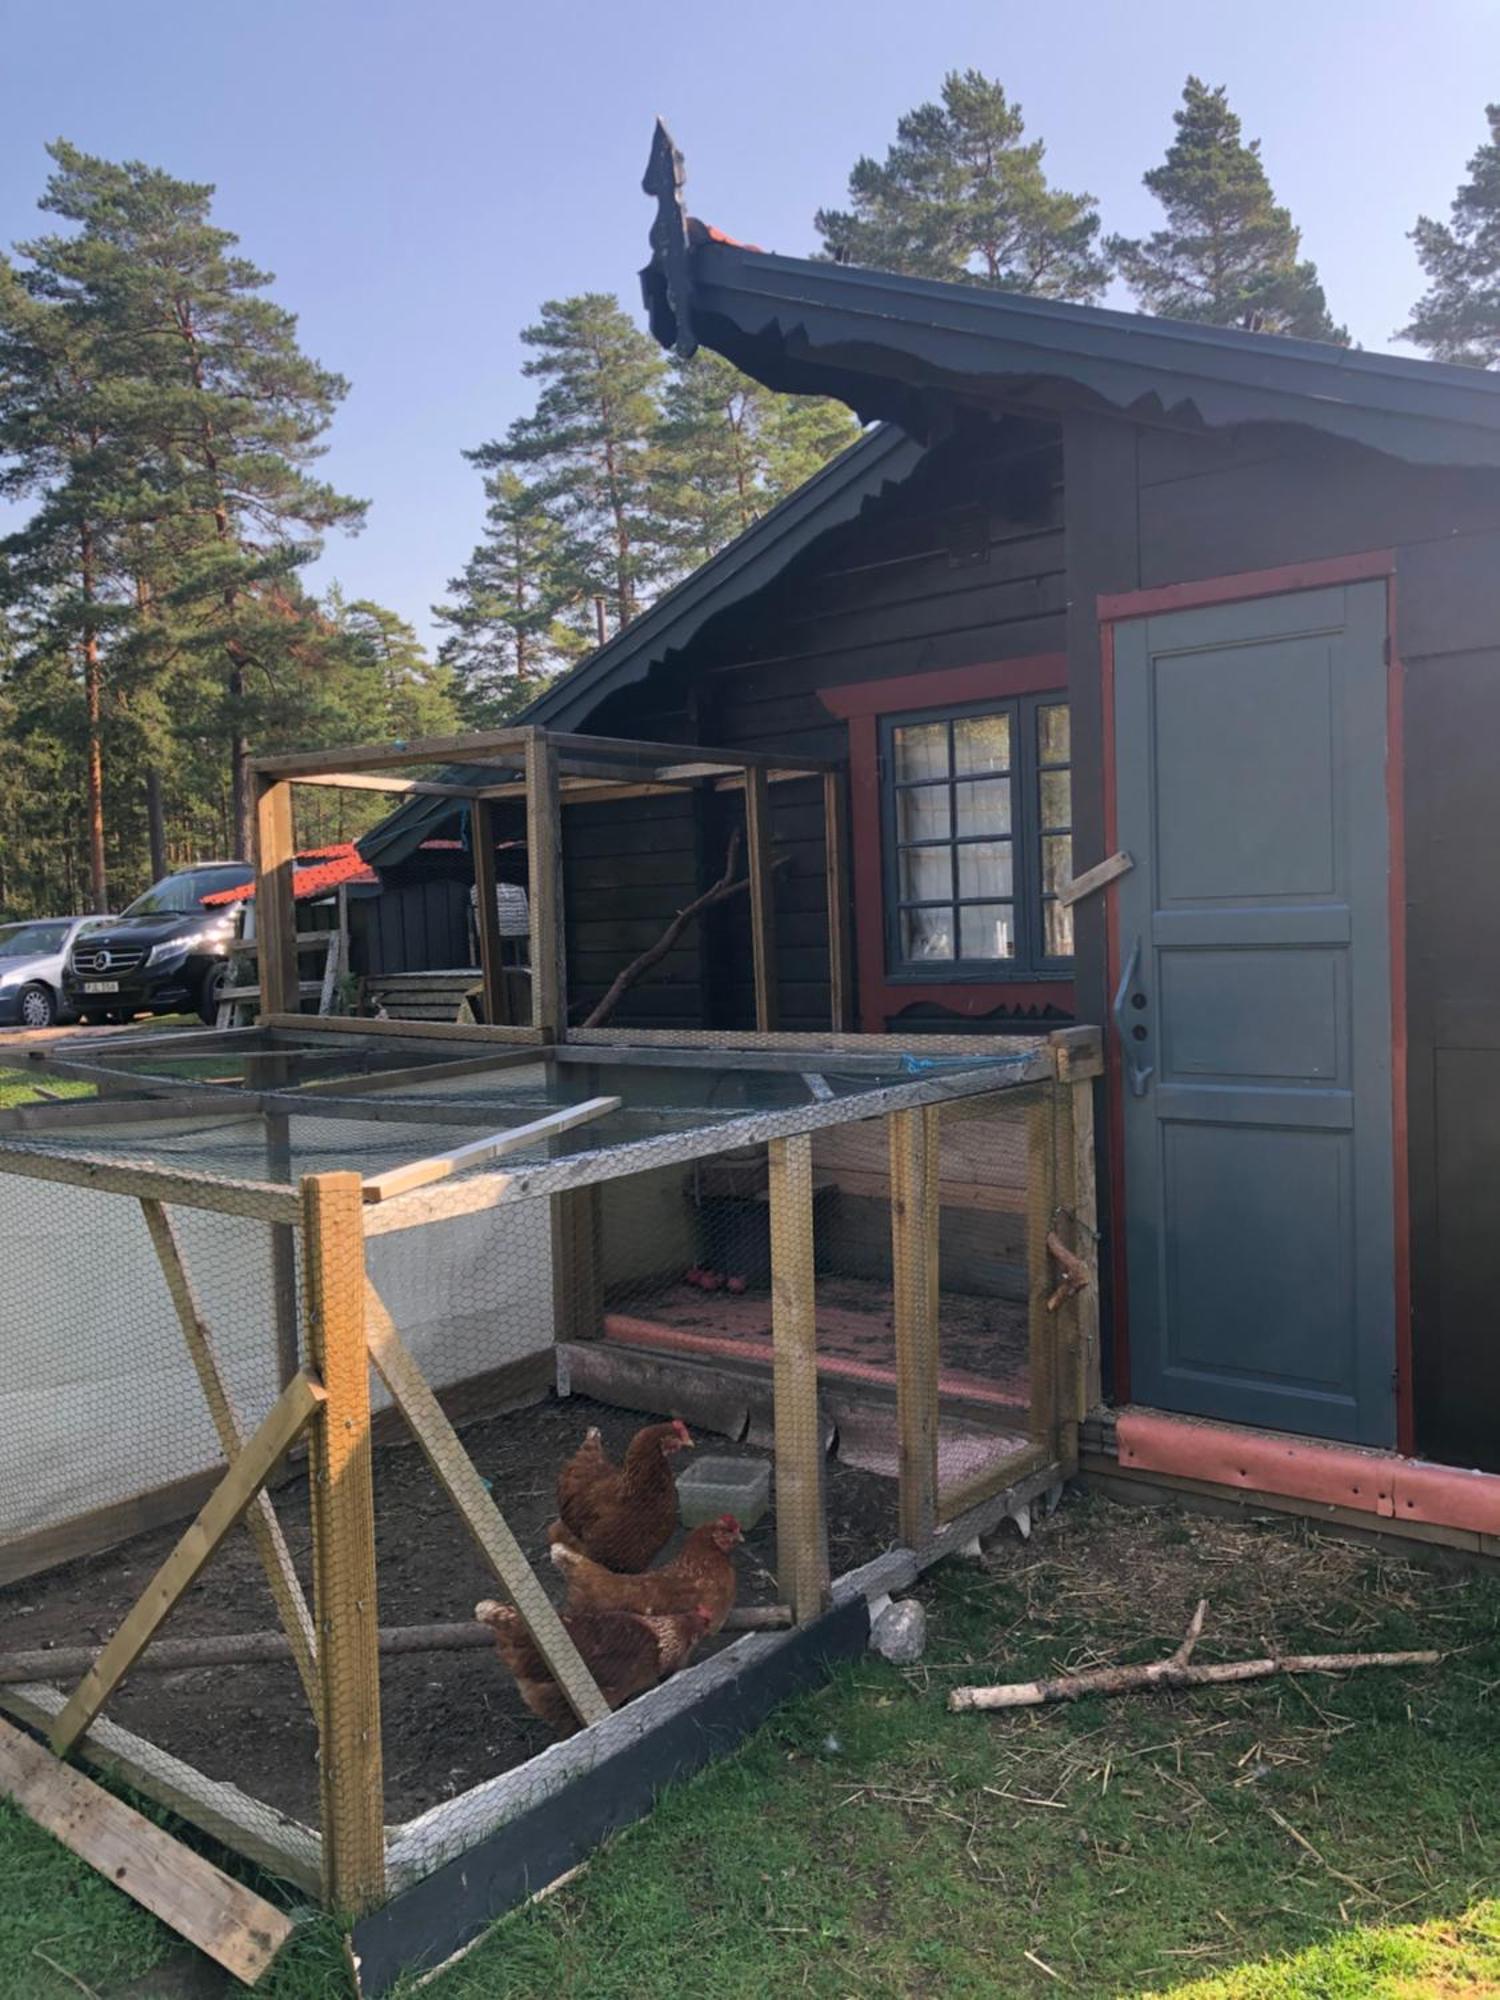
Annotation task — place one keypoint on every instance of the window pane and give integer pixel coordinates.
(983, 806)
(984, 869)
(1057, 862)
(1057, 798)
(922, 814)
(1059, 929)
(926, 874)
(988, 931)
(1052, 733)
(926, 934)
(920, 750)
(981, 743)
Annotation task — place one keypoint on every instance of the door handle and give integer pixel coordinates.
(1138, 1075)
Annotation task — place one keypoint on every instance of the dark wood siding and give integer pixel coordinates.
(962, 564)
(1146, 509)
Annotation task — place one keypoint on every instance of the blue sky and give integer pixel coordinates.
(420, 176)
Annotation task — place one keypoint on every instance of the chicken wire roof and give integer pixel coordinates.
(253, 1108)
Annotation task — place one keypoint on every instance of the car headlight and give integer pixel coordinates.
(14, 978)
(208, 939)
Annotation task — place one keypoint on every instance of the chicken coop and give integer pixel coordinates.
(362, 1286)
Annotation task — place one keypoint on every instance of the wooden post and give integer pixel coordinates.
(486, 909)
(265, 1528)
(801, 1523)
(549, 982)
(275, 908)
(1042, 1329)
(762, 897)
(915, 1212)
(343, 1524)
(836, 874)
(1085, 1206)
(577, 1264)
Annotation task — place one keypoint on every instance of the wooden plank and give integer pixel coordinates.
(367, 781)
(236, 1928)
(398, 1031)
(486, 910)
(345, 1596)
(640, 749)
(836, 880)
(275, 906)
(549, 981)
(915, 1212)
(1083, 1200)
(62, 1115)
(801, 1520)
(282, 1846)
(479, 1192)
(480, 746)
(421, 1173)
(265, 1528)
(227, 1505)
(457, 1476)
(369, 1081)
(1092, 879)
(762, 899)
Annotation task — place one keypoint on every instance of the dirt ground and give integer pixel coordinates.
(449, 1719)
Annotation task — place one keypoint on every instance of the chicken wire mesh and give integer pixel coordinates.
(643, 1294)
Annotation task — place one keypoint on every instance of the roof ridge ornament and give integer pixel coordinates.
(666, 283)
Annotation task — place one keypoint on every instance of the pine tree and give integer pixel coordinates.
(728, 449)
(1230, 254)
(961, 196)
(586, 447)
(233, 413)
(403, 692)
(513, 615)
(1458, 316)
(65, 445)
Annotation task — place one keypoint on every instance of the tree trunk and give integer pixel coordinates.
(94, 704)
(156, 823)
(243, 841)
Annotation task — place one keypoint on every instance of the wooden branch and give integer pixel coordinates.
(1174, 1671)
(1075, 1271)
(238, 1929)
(269, 1648)
(719, 892)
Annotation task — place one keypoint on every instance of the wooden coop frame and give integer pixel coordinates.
(548, 770)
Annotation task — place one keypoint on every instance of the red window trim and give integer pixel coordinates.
(861, 704)
(1368, 566)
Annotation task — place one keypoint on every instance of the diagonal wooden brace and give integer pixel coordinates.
(264, 1527)
(226, 1505)
(461, 1482)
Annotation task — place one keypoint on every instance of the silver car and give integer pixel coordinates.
(31, 967)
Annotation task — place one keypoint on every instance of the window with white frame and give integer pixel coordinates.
(978, 840)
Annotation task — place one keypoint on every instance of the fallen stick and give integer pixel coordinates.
(1174, 1671)
(249, 1649)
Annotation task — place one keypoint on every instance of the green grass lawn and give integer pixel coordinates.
(1315, 1839)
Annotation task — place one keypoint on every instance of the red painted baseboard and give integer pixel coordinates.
(1373, 1482)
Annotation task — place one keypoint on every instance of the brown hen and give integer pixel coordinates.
(701, 1573)
(620, 1516)
(625, 1652)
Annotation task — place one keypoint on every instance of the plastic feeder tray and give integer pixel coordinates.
(714, 1486)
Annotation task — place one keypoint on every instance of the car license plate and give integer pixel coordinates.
(101, 985)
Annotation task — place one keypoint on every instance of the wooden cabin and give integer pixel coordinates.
(1098, 585)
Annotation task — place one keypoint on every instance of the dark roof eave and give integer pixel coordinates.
(892, 346)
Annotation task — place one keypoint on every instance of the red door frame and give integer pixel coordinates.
(1373, 565)
(861, 704)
